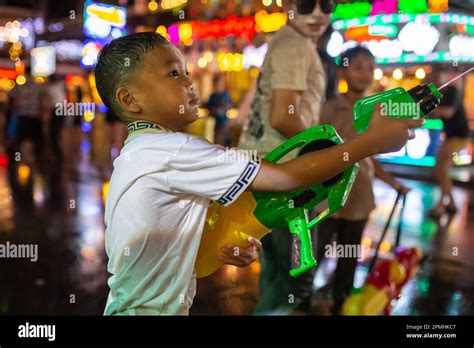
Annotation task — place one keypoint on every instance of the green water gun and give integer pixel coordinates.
(417, 102)
(257, 213)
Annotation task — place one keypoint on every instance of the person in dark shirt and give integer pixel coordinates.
(218, 104)
(455, 124)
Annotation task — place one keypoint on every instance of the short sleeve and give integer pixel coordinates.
(212, 172)
(288, 65)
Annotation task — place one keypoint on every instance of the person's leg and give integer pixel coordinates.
(348, 236)
(274, 285)
(441, 174)
(279, 290)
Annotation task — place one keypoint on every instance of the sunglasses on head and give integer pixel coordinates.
(305, 7)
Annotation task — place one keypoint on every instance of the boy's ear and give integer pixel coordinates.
(126, 99)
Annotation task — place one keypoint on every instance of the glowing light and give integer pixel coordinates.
(39, 80)
(417, 147)
(203, 112)
(230, 61)
(378, 74)
(254, 56)
(232, 113)
(20, 80)
(366, 242)
(279, 3)
(163, 31)
(89, 53)
(421, 38)
(23, 174)
(254, 72)
(43, 61)
(334, 46)
(185, 32)
(343, 87)
(385, 246)
(270, 22)
(89, 115)
(208, 56)
(420, 73)
(114, 15)
(105, 190)
(169, 4)
(153, 6)
(202, 62)
(266, 2)
(397, 74)
(462, 46)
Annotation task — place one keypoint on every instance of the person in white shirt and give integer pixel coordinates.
(164, 180)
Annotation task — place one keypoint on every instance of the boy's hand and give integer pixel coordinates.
(233, 255)
(390, 134)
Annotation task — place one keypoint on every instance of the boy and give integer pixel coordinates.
(357, 68)
(164, 180)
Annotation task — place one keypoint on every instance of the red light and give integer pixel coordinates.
(3, 160)
(8, 74)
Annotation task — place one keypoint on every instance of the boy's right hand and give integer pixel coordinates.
(390, 134)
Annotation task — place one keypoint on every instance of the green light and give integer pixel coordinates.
(433, 124)
(412, 6)
(352, 10)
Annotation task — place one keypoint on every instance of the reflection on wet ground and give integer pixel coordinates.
(60, 208)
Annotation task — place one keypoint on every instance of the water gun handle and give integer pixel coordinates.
(365, 107)
(302, 247)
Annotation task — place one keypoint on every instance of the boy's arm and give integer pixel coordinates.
(384, 135)
(387, 178)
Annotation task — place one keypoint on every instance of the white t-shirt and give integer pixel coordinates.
(155, 211)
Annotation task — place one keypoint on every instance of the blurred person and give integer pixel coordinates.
(347, 225)
(27, 111)
(291, 88)
(455, 125)
(56, 95)
(218, 104)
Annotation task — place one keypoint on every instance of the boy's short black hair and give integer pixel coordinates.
(350, 53)
(118, 60)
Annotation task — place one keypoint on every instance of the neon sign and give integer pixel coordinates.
(102, 20)
(407, 38)
(43, 61)
(378, 7)
(187, 32)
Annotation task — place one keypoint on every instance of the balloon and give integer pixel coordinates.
(398, 272)
(352, 305)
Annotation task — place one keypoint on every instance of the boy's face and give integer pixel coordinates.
(312, 25)
(359, 73)
(163, 89)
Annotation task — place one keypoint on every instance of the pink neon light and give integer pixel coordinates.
(384, 7)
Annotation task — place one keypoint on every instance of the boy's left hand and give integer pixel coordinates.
(240, 257)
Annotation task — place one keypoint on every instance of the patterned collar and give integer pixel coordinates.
(144, 127)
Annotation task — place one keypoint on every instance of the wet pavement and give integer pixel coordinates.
(59, 207)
